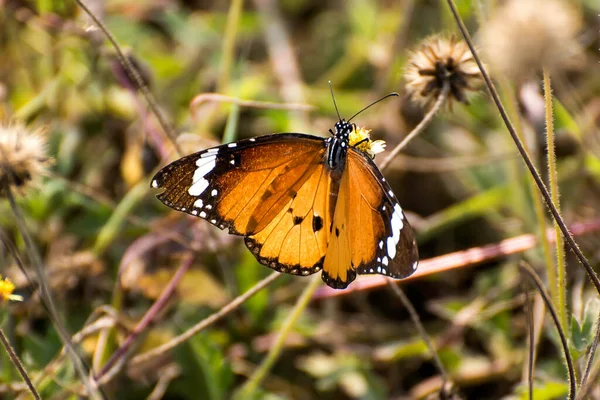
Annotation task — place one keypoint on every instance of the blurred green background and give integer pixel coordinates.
(109, 247)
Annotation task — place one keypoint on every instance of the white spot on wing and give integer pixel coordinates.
(195, 212)
(214, 192)
(381, 244)
(232, 145)
(154, 184)
(391, 193)
(391, 247)
(398, 209)
(210, 153)
(252, 139)
(198, 187)
(385, 261)
(202, 214)
(198, 203)
(199, 184)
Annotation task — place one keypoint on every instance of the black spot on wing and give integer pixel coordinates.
(317, 223)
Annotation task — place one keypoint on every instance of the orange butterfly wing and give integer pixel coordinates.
(297, 215)
(273, 189)
(370, 234)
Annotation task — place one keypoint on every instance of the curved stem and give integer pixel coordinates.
(35, 258)
(227, 309)
(590, 360)
(419, 128)
(561, 333)
(158, 305)
(17, 363)
(133, 72)
(534, 173)
(417, 321)
(250, 387)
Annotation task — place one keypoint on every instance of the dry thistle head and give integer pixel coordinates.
(440, 61)
(22, 157)
(524, 36)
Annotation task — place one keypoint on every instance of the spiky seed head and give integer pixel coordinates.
(524, 36)
(437, 61)
(23, 157)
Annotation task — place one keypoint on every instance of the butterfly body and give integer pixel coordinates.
(303, 204)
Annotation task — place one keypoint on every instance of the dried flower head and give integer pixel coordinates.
(524, 36)
(22, 156)
(440, 61)
(361, 139)
(6, 291)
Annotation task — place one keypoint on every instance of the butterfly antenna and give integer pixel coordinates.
(373, 103)
(334, 103)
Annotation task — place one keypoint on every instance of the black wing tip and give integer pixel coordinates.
(337, 283)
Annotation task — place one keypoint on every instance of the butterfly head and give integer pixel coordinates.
(343, 129)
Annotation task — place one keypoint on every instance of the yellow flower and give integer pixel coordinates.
(6, 290)
(361, 140)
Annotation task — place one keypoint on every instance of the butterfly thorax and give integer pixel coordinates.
(337, 146)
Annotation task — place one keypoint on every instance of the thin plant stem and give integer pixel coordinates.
(249, 388)
(538, 204)
(561, 333)
(269, 105)
(150, 315)
(592, 353)
(534, 173)
(531, 347)
(561, 272)
(17, 363)
(134, 73)
(419, 128)
(417, 321)
(231, 28)
(89, 382)
(205, 323)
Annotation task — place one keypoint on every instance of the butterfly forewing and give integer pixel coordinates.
(241, 185)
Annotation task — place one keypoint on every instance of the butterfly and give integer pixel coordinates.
(302, 203)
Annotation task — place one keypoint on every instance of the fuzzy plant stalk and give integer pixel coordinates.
(538, 205)
(561, 272)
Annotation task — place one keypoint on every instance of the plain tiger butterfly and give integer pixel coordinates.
(303, 203)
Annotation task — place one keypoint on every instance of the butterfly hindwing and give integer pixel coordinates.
(370, 234)
(242, 185)
(386, 245)
(296, 240)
